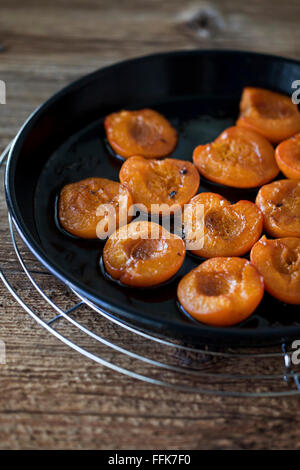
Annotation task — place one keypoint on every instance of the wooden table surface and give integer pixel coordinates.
(50, 396)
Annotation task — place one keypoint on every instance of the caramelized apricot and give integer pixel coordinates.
(221, 291)
(287, 156)
(271, 114)
(80, 204)
(155, 182)
(143, 254)
(238, 157)
(145, 132)
(228, 229)
(278, 261)
(280, 204)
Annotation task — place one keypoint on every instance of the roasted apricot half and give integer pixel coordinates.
(238, 157)
(287, 156)
(228, 229)
(90, 207)
(168, 183)
(221, 291)
(143, 254)
(280, 204)
(271, 114)
(278, 261)
(145, 132)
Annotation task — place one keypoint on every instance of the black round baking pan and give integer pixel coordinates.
(64, 141)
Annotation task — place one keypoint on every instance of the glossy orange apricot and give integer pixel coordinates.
(271, 114)
(143, 254)
(80, 207)
(156, 182)
(278, 261)
(144, 132)
(280, 204)
(238, 157)
(221, 291)
(287, 156)
(228, 229)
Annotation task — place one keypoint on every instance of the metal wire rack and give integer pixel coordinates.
(264, 371)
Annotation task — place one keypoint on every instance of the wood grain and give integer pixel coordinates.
(52, 397)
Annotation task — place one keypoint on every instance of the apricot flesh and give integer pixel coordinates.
(143, 254)
(79, 206)
(221, 291)
(239, 158)
(287, 156)
(271, 114)
(144, 132)
(280, 204)
(278, 261)
(168, 182)
(228, 229)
